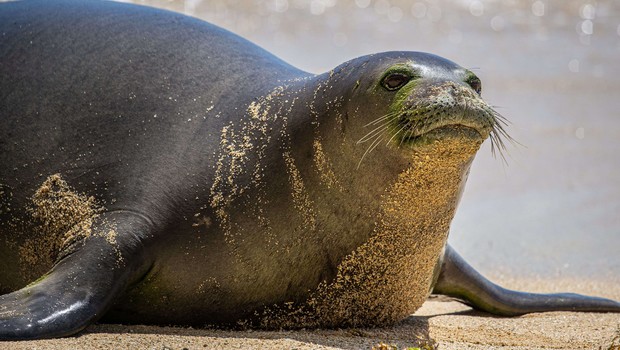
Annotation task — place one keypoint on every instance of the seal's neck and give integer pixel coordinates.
(390, 274)
(383, 228)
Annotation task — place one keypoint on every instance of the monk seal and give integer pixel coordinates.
(158, 169)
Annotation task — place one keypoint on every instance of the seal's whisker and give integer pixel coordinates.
(499, 128)
(396, 134)
(370, 148)
(372, 133)
(410, 131)
(501, 119)
(379, 139)
(387, 116)
(497, 146)
(501, 132)
(402, 139)
(499, 135)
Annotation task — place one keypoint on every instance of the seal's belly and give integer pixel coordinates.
(380, 283)
(376, 284)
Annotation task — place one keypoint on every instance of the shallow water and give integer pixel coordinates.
(552, 67)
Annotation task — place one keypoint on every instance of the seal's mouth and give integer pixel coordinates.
(424, 124)
(448, 131)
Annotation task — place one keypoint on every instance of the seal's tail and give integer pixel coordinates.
(458, 279)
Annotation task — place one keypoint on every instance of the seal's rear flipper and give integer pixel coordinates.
(78, 289)
(458, 279)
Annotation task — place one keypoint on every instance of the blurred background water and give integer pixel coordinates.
(552, 67)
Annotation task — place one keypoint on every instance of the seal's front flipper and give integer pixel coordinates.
(458, 279)
(78, 289)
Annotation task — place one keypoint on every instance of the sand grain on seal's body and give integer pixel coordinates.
(63, 217)
(381, 281)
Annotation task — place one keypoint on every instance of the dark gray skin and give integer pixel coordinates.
(130, 106)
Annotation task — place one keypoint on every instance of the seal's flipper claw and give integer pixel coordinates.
(74, 293)
(458, 279)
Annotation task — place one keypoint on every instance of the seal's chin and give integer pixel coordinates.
(452, 132)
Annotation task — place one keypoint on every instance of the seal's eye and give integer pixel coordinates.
(395, 81)
(475, 84)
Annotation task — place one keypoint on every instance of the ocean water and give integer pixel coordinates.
(551, 67)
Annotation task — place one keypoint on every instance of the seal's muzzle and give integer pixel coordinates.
(439, 106)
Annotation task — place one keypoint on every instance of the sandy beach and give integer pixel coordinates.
(441, 323)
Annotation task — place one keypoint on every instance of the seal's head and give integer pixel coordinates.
(415, 100)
